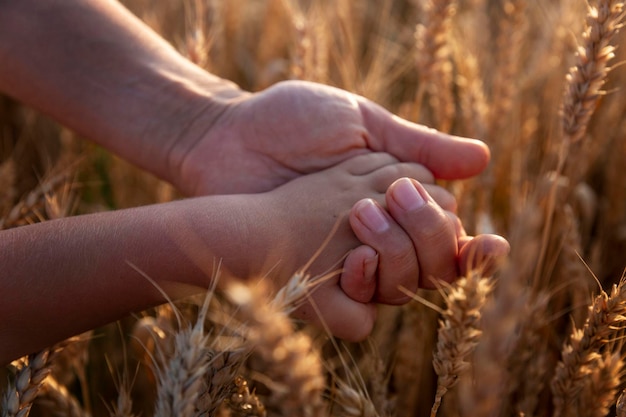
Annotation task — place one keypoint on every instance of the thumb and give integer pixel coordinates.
(358, 279)
(447, 157)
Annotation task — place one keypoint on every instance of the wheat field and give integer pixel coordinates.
(541, 82)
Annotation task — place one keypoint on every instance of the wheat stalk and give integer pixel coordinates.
(433, 61)
(412, 369)
(530, 357)
(56, 399)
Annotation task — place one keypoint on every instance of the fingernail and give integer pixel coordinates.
(372, 217)
(407, 196)
(370, 266)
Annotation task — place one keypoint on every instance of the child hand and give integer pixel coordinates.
(309, 207)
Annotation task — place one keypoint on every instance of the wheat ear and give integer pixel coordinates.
(586, 78)
(289, 359)
(20, 394)
(351, 402)
(180, 379)
(459, 331)
(601, 387)
(605, 317)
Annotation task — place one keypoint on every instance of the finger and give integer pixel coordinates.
(433, 233)
(342, 316)
(384, 176)
(443, 197)
(485, 253)
(446, 156)
(456, 222)
(358, 279)
(397, 262)
(369, 162)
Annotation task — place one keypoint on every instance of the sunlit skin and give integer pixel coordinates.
(132, 93)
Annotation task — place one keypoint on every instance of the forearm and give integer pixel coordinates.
(63, 277)
(96, 68)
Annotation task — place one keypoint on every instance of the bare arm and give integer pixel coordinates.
(96, 68)
(66, 276)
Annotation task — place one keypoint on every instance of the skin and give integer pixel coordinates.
(260, 160)
(87, 267)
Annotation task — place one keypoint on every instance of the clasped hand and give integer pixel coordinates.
(328, 154)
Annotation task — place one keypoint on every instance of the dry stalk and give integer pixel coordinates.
(484, 392)
(433, 61)
(8, 192)
(459, 331)
(41, 201)
(605, 318)
(20, 394)
(123, 406)
(512, 30)
(288, 361)
(530, 360)
(372, 368)
(412, 373)
(309, 55)
(198, 39)
(57, 400)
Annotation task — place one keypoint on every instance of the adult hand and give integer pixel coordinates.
(260, 141)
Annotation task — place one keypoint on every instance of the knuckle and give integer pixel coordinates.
(435, 233)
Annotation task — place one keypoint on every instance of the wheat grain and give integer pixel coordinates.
(243, 402)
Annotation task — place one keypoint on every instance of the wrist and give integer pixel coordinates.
(184, 111)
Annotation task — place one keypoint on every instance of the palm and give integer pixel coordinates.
(296, 128)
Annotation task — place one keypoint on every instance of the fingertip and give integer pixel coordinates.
(358, 279)
(486, 253)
